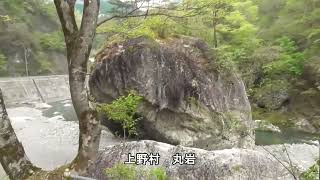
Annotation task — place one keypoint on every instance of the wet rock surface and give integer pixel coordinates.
(188, 98)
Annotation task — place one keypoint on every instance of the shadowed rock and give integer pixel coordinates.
(189, 98)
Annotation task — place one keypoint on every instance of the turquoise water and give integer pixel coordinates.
(286, 136)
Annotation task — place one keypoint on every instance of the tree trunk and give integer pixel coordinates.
(79, 43)
(12, 155)
(89, 124)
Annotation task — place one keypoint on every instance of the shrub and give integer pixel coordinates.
(3, 63)
(122, 171)
(289, 62)
(123, 110)
(44, 62)
(158, 174)
(52, 41)
(312, 173)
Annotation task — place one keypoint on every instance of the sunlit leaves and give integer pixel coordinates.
(123, 110)
(290, 61)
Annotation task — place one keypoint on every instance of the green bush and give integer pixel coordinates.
(123, 110)
(312, 173)
(157, 174)
(290, 61)
(52, 41)
(3, 63)
(121, 171)
(44, 62)
(273, 117)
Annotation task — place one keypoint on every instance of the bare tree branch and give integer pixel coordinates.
(290, 161)
(100, 22)
(161, 11)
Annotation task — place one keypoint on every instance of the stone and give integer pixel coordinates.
(273, 95)
(312, 71)
(225, 164)
(188, 99)
(266, 126)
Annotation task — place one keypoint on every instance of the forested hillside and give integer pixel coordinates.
(30, 32)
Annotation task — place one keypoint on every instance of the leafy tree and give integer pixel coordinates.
(212, 11)
(52, 41)
(290, 61)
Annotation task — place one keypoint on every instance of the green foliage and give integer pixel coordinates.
(157, 174)
(290, 61)
(44, 62)
(312, 173)
(273, 117)
(52, 41)
(3, 63)
(47, 8)
(235, 124)
(223, 60)
(123, 110)
(152, 27)
(121, 171)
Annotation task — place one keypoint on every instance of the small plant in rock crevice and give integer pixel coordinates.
(123, 110)
(121, 171)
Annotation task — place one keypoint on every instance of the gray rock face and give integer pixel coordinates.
(228, 164)
(188, 98)
(312, 71)
(273, 95)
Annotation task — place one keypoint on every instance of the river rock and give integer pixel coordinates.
(228, 164)
(266, 126)
(312, 71)
(273, 95)
(188, 97)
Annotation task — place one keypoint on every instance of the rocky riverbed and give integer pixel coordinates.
(50, 137)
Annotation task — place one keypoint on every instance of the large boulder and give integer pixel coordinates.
(228, 164)
(273, 95)
(188, 97)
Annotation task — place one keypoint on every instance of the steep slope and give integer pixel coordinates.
(30, 32)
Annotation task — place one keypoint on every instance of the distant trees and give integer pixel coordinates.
(212, 11)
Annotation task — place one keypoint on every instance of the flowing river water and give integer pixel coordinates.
(49, 134)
